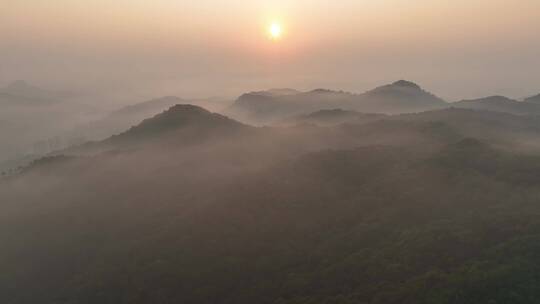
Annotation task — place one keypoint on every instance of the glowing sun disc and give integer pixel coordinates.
(275, 30)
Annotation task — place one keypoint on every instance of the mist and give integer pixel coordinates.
(272, 152)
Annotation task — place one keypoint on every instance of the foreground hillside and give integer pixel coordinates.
(193, 207)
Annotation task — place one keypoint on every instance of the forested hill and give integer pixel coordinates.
(406, 209)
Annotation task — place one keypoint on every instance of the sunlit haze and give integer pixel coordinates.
(269, 151)
(459, 49)
(275, 30)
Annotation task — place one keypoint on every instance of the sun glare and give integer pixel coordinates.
(275, 30)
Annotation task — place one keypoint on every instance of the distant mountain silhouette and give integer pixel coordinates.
(490, 99)
(35, 119)
(21, 87)
(399, 97)
(500, 104)
(22, 93)
(281, 92)
(266, 101)
(143, 108)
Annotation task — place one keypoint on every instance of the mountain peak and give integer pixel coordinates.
(406, 84)
(401, 96)
(493, 99)
(187, 108)
(321, 91)
(22, 87)
(499, 98)
(28, 93)
(18, 84)
(151, 105)
(178, 117)
(276, 92)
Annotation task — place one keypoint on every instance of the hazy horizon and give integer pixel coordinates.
(269, 152)
(463, 49)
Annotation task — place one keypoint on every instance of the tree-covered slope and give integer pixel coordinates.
(437, 217)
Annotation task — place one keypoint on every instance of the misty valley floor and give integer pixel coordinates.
(194, 207)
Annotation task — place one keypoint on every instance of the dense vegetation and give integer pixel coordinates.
(438, 207)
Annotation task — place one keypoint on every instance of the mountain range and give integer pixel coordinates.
(190, 206)
(501, 104)
(399, 97)
(23, 94)
(35, 118)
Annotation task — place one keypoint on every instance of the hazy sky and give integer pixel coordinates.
(457, 49)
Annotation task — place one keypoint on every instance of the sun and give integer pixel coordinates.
(275, 31)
